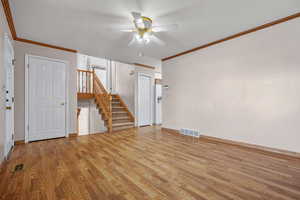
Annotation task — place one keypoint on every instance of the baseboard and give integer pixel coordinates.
(19, 142)
(73, 134)
(170, 130)
(257, 148)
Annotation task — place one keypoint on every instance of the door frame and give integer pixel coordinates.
(8, 46)
(137, 99)
(67, 120)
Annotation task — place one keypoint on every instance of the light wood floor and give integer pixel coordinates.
(145, 164)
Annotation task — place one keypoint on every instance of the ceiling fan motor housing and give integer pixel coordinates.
(144, 25)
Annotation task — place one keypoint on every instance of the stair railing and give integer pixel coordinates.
(84, 81)
(104, 99)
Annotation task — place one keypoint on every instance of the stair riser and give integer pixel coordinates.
(118, 109)
(122, 128)
(119, 115)
(120, 121)
(106, 124)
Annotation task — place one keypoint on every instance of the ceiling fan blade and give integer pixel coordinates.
(136, 15)
(157, 40)
(165, 28)
(127, 30)
(122, 28)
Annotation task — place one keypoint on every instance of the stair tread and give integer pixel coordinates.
(123, 124)
(118, 118)
(119, 112)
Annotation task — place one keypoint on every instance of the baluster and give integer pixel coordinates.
(81, 80)
(93, 77)
(78, 87)
(87, 83)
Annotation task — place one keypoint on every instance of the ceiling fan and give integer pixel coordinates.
(144, 31)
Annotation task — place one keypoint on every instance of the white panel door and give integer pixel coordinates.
(46, 98)
(144, 100)
(9, 89)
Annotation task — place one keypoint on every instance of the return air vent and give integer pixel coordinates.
(189, 132)
(18, 167)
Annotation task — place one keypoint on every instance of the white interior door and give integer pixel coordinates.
(144, 100)
(46, 98)
(9, 88)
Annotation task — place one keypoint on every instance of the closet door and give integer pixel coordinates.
(144, 100)
(46, 98)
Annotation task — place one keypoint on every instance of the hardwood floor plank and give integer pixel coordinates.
(146, 163)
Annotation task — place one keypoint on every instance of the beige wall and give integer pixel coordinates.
(21, 49)
(3, 29)
(246, 89)
(125, 84)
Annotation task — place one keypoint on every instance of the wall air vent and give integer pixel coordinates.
(190, 132)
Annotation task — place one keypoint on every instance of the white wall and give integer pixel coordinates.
(246, 89)
(3, 29)
(90, 121)
(84, 118)
(125, 84)
(96, 122)
(21, 49)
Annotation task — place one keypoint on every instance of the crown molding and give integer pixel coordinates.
(10, 22)
(8, 15)
(279, 21)
(145, 66)
(45, 45)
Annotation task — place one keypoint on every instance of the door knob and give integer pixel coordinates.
(62, 104)
(8, 108)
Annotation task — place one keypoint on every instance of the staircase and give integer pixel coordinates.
(121, 117)
(114, 112)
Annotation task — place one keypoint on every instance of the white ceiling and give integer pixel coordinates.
(91, 26)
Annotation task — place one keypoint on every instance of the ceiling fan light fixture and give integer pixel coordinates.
(138, 37)
(144, 32)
